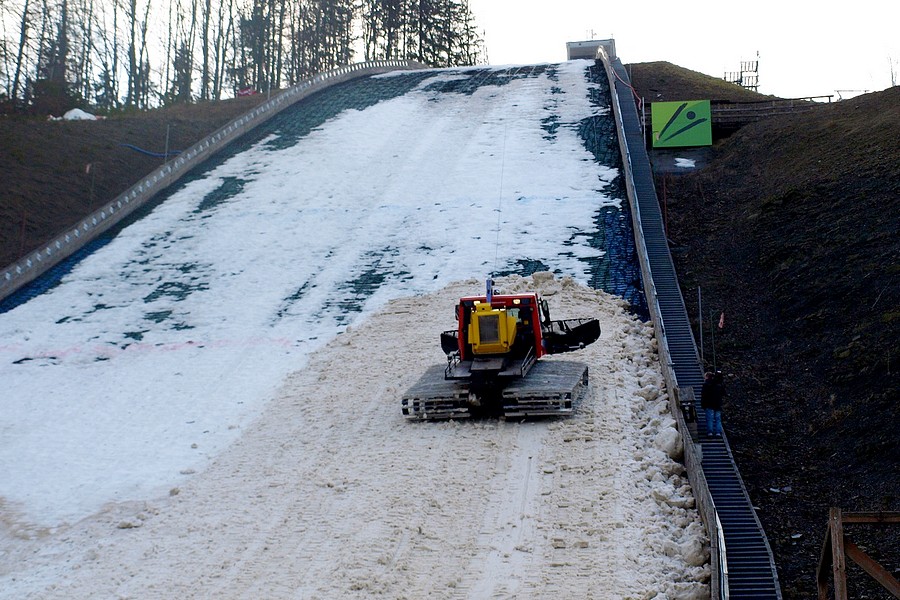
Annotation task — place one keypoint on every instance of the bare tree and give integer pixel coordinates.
(25, 23)
(83, 60)
(131, 13)
(223, 34)
(93, 49)
(50, 89)
(138, 73)
(106, 88)
(445, 34)
(180, 53)
(205, 24)
(383, 24)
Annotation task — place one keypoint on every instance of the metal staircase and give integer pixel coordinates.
(746, 568)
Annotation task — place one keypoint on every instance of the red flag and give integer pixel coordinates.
(722, 321)
(247, 91)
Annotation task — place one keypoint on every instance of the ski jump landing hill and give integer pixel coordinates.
(742, 565)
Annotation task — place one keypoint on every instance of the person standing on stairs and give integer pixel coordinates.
(711, 395)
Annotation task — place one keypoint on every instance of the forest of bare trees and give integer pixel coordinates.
(134, 54)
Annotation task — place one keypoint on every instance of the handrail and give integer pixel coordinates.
(692, 451)
(35, 263)
(723, 560)
(706, 506)
(746, 575)
(640, 241)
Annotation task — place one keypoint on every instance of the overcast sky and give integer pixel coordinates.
(805, 48)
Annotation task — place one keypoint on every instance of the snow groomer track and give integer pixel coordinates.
(205, 400)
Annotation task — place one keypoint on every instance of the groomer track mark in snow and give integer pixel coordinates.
(159, 357)
(330, 493)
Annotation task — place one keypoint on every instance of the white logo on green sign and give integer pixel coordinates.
(679, 124)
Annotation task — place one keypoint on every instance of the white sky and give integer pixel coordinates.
(805, 49)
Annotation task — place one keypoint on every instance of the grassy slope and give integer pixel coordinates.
(664, 82)
(46, 187)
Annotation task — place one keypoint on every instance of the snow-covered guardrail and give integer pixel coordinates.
(50, 254)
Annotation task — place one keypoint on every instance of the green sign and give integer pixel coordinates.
(679, 124)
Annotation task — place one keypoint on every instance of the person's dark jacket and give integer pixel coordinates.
(712, 393)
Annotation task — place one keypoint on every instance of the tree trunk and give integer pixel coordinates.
(20, 55)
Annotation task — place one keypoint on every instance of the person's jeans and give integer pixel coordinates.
(713, 421)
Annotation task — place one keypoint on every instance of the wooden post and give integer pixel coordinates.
(837, 547)
(823, 571)
(878, 573)
(838, 567)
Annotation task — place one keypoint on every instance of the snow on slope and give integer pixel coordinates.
(181, 329)
(208, 406)
(330, 493)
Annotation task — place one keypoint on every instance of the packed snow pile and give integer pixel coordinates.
(76, 114)
(331, 493)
